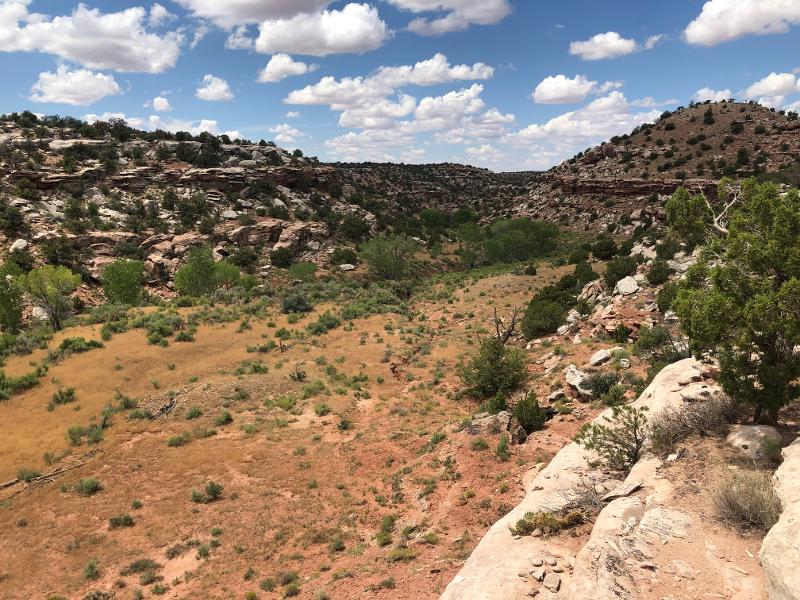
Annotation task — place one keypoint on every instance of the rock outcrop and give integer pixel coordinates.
(493, 570)
(780, 552)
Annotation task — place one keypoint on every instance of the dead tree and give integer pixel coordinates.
(503, 331)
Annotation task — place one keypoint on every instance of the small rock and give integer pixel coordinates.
(537, 562)
(624, 363)
(347, 267)
(551, 561)
(552, 582)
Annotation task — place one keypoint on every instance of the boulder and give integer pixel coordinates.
(600, 357)
(626, 286)
(18, 245)
(576, 380)
(592, 290)
(780, 552)
(347, 267)
(751, 439)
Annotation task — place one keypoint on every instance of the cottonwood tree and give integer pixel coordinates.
(741, 302)
(122, 281)
(51, 288)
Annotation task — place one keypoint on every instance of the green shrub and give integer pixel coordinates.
(296, 303)
(502, 452)
(620, 443)
(304, 271)
(122, 282)
(88, 487)
(618, 268)
(198, 276)
(390, 256)
(281, 257)
(658, 273)
(496, 369)
(542, 317)
(530, 414)
(124, 520)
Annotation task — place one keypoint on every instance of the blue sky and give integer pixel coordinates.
(505, 84)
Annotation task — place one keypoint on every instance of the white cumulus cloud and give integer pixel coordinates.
(725, 20)
(347, 92)
(281, 66)
(460, 14)
(214, 89)
(707, 93)
(603, 45)
(355, 28)
(560, 89)
(161, 104)
(79, 88)
(286, 134)
(227, 13)
(117, 41)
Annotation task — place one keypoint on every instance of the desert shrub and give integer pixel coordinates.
(548, 523)
(122, 282)
(667, 249)
(658, 345)
(281, 257)
(604, 248)
(530, 414)
(87, 487)
(619, 268)
(502, 452)
(600, 383)
(10, 298)
(27, 475)
(671, 426)
(91, 570)
(584, 273)
(390, 256)
(620, 443)
(304, 271)
(542, 317)
(658, 273)
(747, 500)
(666, 296)
(124, 520)
(296, 303)
(62, 396)
(496, 369)
(211, 493)
(479, 444)
(224, 418)
(495, 404)
(344, 256)
(518, 239)
(13, 385)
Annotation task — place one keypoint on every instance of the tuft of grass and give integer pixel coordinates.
(88, 487)
(123, 520)
(747, 500)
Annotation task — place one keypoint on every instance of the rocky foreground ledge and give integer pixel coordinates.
(648, 541)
